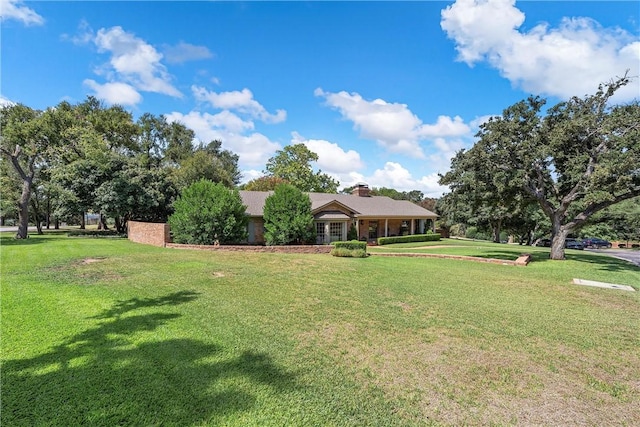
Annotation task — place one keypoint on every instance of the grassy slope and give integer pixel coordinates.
(152, 336)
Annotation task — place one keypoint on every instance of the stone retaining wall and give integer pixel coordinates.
(523, 260)
(301, 249)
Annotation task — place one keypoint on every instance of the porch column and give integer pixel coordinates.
(413, 226)
(386, 228)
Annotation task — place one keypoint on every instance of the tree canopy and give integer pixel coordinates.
(287, 217)
(208, 213)
(574, 159)
(73, 159)
(293, 164)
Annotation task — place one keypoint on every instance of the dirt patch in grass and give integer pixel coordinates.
(86, 271)
(460, 380)
(91, 260)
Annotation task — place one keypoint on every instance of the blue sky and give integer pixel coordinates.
(383, 92)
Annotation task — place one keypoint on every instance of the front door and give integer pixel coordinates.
(373, 230)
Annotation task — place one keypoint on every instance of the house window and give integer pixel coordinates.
(320, 233)
(335, 231)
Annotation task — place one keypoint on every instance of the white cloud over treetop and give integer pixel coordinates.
(253, 149)
(570, 60)
(14, 9)
(134, 65)
(394, 175)
(241, 101)
(115, 92)
(331, 157)
(135, 61)
(394, 126)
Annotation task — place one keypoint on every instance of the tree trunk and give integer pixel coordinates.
(558, 237)
(56, 224)
(48, 214)
(102, 225)
(496, 231)
(36, 215)
(121, 224)
(82, 222)
(23, 209)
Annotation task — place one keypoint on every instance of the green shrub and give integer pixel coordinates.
(352, 245)
(287, 217)
(471, 232)
(207, 213)
(430, 237)
(349, 253)
(352, 234)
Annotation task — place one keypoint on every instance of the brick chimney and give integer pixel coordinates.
(361, 190)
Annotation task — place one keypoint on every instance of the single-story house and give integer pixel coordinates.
(334, 214)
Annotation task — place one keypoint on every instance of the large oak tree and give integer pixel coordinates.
(574, 159)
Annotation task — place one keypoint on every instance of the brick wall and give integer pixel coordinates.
(148, 233)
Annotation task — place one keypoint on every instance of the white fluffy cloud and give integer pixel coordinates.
(392, 125)
(134, 65)
(241, 101)
(135, 61)
(183, 52)
(4, 102)
(14, 9)
(115, 93)
(394, 175)
(569, 60)
(331, 158)
(254, 149)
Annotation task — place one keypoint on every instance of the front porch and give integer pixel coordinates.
(371, 228)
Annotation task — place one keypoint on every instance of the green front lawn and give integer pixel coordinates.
(106, 332)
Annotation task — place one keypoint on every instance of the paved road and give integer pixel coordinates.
(626, 254)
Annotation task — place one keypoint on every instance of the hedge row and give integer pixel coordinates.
(352, 248)
(431, 237)
(351, 245)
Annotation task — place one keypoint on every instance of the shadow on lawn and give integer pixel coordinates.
(8, 238)
(106, 376)
(605, 263)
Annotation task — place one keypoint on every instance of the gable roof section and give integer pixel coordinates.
(363, 207)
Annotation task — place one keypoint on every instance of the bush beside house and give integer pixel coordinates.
(207, 214)
(287, 217)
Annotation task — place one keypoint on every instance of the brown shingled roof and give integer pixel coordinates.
(363, 207)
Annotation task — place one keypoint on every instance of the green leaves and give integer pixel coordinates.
(287, 217)
(208, 213)
(576, 159)
(293, 164)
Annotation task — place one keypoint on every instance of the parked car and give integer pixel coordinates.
(568, 243)
(544, 243)
(594, 242)
(573, 244)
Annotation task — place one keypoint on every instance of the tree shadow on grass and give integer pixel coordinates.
(8, 238)
(117, 374)
(605, 263)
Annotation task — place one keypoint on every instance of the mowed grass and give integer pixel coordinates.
(108, 332)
